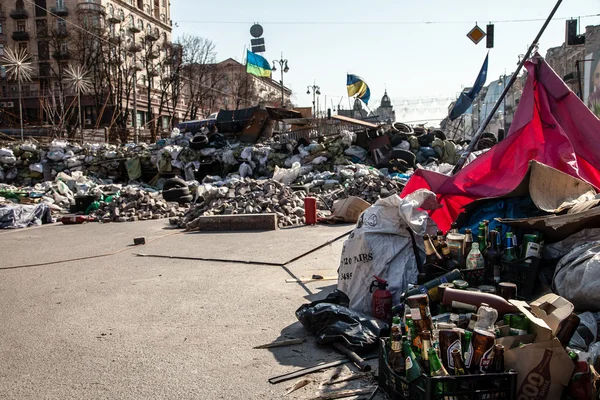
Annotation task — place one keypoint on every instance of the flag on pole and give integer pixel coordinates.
(257, 65)
(466, 99)
(357, 87)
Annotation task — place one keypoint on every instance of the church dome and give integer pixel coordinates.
(385, 100)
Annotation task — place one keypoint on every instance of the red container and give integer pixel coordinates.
(310, 210)
(74, 220)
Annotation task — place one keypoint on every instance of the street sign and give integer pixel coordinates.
(476, 34)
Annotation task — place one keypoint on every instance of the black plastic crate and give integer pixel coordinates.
(524, 274)
(467, 387)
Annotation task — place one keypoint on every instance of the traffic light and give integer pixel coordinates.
(572, 38)
(489, 41)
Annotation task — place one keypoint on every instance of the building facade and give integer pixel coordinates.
(117, 42)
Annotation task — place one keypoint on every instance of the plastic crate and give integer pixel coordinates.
(523, 274)
(467, 387)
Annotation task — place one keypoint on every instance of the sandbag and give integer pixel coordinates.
(382, 245)
(577, 277)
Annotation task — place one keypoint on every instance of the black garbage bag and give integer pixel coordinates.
(330, 320)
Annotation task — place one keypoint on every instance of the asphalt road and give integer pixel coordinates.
(83, 317)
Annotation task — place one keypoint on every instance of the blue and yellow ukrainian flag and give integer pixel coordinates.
(257, 65)
(357, 87)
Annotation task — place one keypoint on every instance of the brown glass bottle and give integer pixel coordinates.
(493, 266)
(396, 357)
(467, 246)
(419, 311)
(471, 301)
(483, 344)
(567, 329)
(507, 290)
(496, 365)
(459, 364)
(425, 346)
(431, 254)
(449, 341)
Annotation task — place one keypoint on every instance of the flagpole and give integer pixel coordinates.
(513, 78)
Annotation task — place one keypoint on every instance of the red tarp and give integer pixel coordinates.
(551, 126)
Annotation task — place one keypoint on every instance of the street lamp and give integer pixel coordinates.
(315, 92)
(283, 66)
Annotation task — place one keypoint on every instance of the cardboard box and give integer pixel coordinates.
(348, 210)
(544, 366)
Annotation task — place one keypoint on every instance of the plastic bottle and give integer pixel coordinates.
(475, 258)
(486, 318)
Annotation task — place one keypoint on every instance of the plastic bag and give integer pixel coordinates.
(330, 320)
(348, 138)
(285, 175)
(577, 275)
(381, 244)
(6, 152)
(245, 170)
(587, 332)
(8, 159)
(319, 160)
(37, 167)
(356, 151)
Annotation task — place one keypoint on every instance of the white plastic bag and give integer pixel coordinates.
(37, 167)
(356, 151)
(245, 170)
(285, 175)
(6, 152)
(382, 245)
(8, 160)
(319, 160)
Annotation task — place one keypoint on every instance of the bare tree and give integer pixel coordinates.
(201, 77)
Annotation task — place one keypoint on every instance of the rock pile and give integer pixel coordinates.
(133, 203)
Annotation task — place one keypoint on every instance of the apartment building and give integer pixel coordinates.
(134, 37)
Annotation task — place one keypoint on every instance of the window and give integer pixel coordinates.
(1, 49)
(20, 4)
(41, 26)
(148, 29)
(140, 4)
(64, 47)
(164, 3)
(23, 46)
(21, 26)
(111, 10)
(147, 8)
(140, 24)
(61, 26)
(60, 3)
(163, 17)
(0, 27)
(40, 8)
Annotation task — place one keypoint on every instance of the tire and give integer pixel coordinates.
(199, 142)
(185, 199)
(175, 193)
(174, 183)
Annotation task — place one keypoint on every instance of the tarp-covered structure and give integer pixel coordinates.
(551, 126)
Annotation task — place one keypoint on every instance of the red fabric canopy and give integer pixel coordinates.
(551, 125)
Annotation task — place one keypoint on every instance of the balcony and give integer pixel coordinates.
(134, 48)
(19, 13)
(153, 55)
(152, 36)
(134, 29)
(61, 55)
(114, 39)
(114, 19)
(20, 36)
(62, 33)
(61, 11)
(91, 8)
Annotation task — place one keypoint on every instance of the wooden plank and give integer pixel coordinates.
(305, 280)
(238, 222)
(280, 343)
(340, 394)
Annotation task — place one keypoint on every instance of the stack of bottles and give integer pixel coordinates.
(460, 251)
(462, 341)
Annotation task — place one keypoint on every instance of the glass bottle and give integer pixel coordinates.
(468, 348)
(396, 358)
(449, 341)
(507, 290)
(396, 327)
(519, 325)
(509, 254)
(459, 365)
(494, 267)
(436, 368)
(468, 244)
(420, 313)
(567, 329)
(496, 365)
(483, 344)
(412, 367)
(425, 346)
(431, 254)
(475, 258)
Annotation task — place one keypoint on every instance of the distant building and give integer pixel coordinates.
(357, 111)
(385, 112)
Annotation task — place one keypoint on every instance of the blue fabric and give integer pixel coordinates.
(357, 86)
(257, 60)
(466, 99)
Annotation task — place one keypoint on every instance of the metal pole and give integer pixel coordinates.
(79, 119)
(134, 119)
(463, 157)
(579, 80)
(282, 101)
(20, 103)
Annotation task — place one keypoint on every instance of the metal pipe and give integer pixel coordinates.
(463, 157)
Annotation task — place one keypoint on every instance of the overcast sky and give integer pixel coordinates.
(388, 43)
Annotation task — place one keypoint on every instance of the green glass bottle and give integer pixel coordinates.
(509, 254)
(519, 325)
(436, 368)
(468, 348)
(412, 367)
